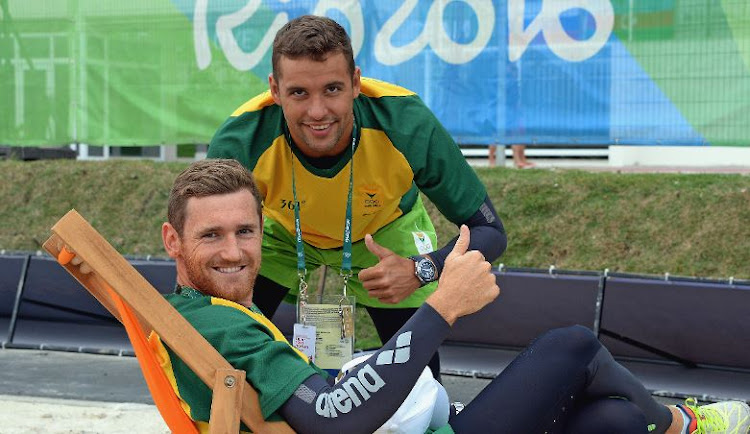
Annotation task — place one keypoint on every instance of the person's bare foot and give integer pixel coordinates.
(525, 165)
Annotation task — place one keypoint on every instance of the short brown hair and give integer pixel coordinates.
(208, 178)
(313, 37)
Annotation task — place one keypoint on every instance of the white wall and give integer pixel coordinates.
(695, 156)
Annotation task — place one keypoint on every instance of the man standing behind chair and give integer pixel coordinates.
(337, 143)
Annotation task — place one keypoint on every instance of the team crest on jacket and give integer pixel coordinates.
(371, 198)
(423, 242)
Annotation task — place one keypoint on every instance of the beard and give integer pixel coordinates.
(209, 282)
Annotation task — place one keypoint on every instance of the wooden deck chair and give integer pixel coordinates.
(141, 309)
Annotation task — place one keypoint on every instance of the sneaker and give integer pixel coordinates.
(730, 417)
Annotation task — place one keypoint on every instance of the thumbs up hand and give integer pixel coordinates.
(466, 284)
(392, 279)
(376, 249)
(462, 243)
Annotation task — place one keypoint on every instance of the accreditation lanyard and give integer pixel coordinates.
(346, 260)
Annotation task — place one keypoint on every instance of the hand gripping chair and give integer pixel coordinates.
(140, 308)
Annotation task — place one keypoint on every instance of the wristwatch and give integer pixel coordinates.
(424, 269)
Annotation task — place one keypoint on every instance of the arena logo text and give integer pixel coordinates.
(348, 394)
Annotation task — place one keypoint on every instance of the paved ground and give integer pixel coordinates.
(103, 378)
(75, 393)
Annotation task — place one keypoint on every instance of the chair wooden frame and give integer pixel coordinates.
(112, 272)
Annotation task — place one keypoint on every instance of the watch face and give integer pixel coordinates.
(426, 270)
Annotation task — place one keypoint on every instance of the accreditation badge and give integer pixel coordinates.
(332, 317)
(304, 340)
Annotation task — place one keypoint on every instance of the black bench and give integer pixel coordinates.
(681, 337)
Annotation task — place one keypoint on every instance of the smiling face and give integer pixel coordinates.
(218, 252)
(317, 98)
